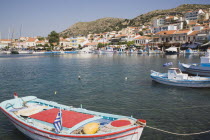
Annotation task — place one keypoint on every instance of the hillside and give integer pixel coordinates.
(97, 26)
(115, 24)
(145, 18)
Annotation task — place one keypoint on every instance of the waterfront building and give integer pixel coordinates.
(64, 42)
(203, 35)
(31, 42)
(165, 36)
(40, 43)
(21, 45)
(90, 46)
(5, 41)
(180, 36)
(79, 40)
(142, 40)
(192, 36)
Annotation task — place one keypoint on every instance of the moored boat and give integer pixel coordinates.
(176, 78)
(46, 120)
(25, 52)
(202, 68)
(171, 50)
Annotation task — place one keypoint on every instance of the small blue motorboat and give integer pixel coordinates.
(202, 68)
(46, 120)
(176, 78)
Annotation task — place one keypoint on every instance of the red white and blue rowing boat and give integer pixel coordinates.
(36, 117)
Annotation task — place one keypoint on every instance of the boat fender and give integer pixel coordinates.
(91, 128)
(141, 122)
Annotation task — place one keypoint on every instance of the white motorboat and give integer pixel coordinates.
(176, 78)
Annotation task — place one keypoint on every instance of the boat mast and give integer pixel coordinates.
(8, 33)
(20, 35)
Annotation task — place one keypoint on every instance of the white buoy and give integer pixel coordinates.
(79, 77)
(126, 78)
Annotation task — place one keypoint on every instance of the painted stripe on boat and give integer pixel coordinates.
(181, 81)
(121, 136)
(93, 136)
(31, 131)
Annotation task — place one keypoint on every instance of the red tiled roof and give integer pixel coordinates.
(142, 37)
(194, 33)
(69, 118)
(206, 28)
(5, 40)
(121, 35)
(181, 31)
(92, 43)
(63, 40)
(40, 42)
(192, 23)
(31, 39)
(166, 32)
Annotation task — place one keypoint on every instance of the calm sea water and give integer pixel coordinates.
(103, 88)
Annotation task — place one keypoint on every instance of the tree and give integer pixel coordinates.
(80, 47)
(40, 38)
(53, 38)
(201, 19)
(184, 25)
(100, 45)
(141, 33)
(129, 43)
(46, 45)
(65, 36)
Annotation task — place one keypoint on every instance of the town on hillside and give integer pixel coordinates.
(191, 31)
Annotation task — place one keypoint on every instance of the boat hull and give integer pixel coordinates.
(182, 83)
(195, 70)
(170, 53)
(106, 52)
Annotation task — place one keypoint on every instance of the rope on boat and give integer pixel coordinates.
(178, 134)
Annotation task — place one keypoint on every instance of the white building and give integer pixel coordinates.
(31, 42)
(64, 42)
(197, 28)
(158, 22)
(142, 40)
(194, 15)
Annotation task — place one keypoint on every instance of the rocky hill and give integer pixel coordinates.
(145, 18)
(97, 26)
(115, 24)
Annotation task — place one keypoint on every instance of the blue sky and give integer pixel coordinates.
(40, 17)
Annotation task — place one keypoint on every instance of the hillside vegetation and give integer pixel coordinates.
(98, 26)
(115, 24)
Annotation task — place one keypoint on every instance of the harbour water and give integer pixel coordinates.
(103, 88)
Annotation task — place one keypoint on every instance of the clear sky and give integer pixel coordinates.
(40, 17)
